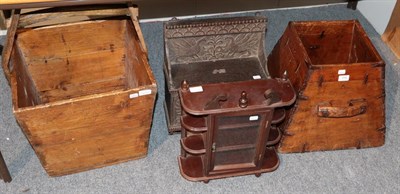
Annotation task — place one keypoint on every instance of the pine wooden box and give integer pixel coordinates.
(83, 92)
(339, 78)
(206, 51)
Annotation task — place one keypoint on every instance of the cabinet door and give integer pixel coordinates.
(238, 140)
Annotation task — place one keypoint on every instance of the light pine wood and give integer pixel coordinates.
(20, 4)
(83, 93)
(3, 23)
(8, 46)
(74, 66)
(134, 13)
(392, 32)
(70, 16)
(353, 112)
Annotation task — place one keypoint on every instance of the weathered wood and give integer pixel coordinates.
(74, 66)
(392, 32)
(134, 13)
(4, 173)
(9, 44)
(86, 99)
(339, 77)
(20, 4)
(3, 25)
(68, 16)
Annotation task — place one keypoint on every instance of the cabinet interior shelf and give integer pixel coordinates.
(193, 144)
(279, 115)
(274, 136)
(197, 123)
(191, 167)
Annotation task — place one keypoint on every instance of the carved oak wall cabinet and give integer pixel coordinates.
(339, 78)
(83, 92)
(226, 128)
(211, 51)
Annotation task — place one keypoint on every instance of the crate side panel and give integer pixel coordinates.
(362, 50)
(91, 133)
(362, 71)
(289, 55)
(27, 95)
(136, 60)
(308, 132)
(326, 42)
(79, 57)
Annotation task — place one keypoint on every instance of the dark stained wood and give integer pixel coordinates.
(227, 128)
(352, 4)
(194, 144)
(211, 51)
(279, 116)
(198, 100)
(274, 136)
(339, 78)
(83, 92)
(194, 123)
(190, 167)
(4, 173)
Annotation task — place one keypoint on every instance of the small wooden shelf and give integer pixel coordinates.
(279, 115)
(235, 147)
(195, 124)
(191, 167)
(274, 137)
(193, 144)
(238, 125)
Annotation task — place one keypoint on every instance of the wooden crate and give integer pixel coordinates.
(339, 78)
(83, 92)
(392, 33)
(211, 51)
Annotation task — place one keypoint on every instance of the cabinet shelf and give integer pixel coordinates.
(274, 137)
(193, 144)
(279, 115)
(191, 167)
(195, 124)
(239, 125)
(235, 147)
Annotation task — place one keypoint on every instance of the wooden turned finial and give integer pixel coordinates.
(285, 76)
(243, 101)
(185, 85)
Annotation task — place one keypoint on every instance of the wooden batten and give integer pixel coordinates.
(68, 15)
(9, 44)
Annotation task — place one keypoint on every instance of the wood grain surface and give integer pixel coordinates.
(315, 55)
(392, 32)
(20, 4)
(83, 92)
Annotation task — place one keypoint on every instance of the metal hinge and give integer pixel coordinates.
(213, 147)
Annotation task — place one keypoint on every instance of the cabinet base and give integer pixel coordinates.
(191, 167)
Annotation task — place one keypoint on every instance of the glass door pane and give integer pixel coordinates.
(235, 141)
